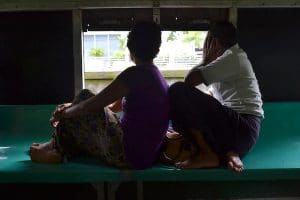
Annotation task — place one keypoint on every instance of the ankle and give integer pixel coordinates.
(208, 151)
(232, 153)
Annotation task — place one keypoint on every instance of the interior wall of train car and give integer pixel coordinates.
(270, 36)
(36, 50)
(37, 64)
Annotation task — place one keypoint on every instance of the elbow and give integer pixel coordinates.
(190, 83)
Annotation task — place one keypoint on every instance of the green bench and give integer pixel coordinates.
(276, 156)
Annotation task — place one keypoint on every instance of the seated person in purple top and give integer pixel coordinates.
(87, 127)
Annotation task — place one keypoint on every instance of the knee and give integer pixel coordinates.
(86, 92)
(83, 95)
(176, 89)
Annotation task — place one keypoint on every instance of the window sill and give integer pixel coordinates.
(108, 75)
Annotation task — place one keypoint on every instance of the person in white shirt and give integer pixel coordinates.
(226, 126)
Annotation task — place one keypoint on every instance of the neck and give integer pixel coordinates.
(142, 62)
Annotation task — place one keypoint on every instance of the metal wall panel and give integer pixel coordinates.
(36, 51)
(21, 5)
(271, 39)
(170, 18)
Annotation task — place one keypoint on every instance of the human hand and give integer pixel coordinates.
(116, 106)
(211, 50)
(63, 106)
(58, 113)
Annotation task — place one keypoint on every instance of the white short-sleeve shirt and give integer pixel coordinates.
(233, 81)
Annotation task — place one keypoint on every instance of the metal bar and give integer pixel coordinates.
(233, 15)
(99, 187)
(230, 3)
(77, 50)
(156, 15)
(156, 11)
(140, 190)
(17, 5)
(111, 190)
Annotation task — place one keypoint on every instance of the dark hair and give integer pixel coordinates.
(144, 40)
(84, 94)
(225, 32)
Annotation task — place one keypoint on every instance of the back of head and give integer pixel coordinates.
(144, 40)
(225, 32)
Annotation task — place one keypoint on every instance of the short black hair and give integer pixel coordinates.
(144, 40)
(225, 32)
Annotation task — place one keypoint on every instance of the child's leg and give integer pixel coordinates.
(205, 158)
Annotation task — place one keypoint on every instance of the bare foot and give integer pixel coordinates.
(43, 146)
(202, 160)
(234, 162)
(41, 154)
(173, 135)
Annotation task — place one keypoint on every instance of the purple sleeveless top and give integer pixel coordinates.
(146, 114)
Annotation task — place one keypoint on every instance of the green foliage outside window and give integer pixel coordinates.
(122, 48)
(196, 37)
(96, 52)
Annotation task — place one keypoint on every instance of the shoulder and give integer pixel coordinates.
(126, 74)
(136, 74)
(237, 52)
(138, 69)
(130, 69)
(231, 56)
(227, 58)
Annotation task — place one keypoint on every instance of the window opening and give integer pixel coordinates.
(106, 51)
(106, 55)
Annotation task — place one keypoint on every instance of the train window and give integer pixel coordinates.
(106, 51)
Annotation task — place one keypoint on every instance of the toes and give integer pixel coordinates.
(179, 165)
(182, 165)
(234, 162)
(238, 165)
(235, 166)
(33, 148)
(187, 164)
(230, 165)
(238, 169)
(241, 168)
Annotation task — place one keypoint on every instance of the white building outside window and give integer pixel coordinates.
(106, 51)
